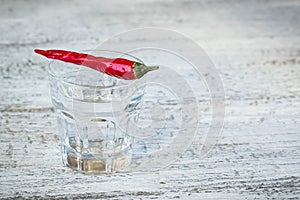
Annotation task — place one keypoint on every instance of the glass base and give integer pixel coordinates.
(88, 164)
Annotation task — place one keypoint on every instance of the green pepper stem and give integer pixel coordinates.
(140, 69)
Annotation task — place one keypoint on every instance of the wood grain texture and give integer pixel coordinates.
(254, 44)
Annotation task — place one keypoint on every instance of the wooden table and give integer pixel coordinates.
(256, 48)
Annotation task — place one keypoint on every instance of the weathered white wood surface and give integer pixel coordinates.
(256, 47)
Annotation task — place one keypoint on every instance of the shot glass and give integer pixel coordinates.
(94, 113)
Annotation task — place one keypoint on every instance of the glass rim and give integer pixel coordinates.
(55, 76)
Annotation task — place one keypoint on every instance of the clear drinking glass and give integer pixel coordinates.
(94, 112)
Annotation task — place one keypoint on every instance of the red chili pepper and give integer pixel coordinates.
(118, 67)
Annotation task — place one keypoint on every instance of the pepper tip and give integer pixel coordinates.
(39, 51)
